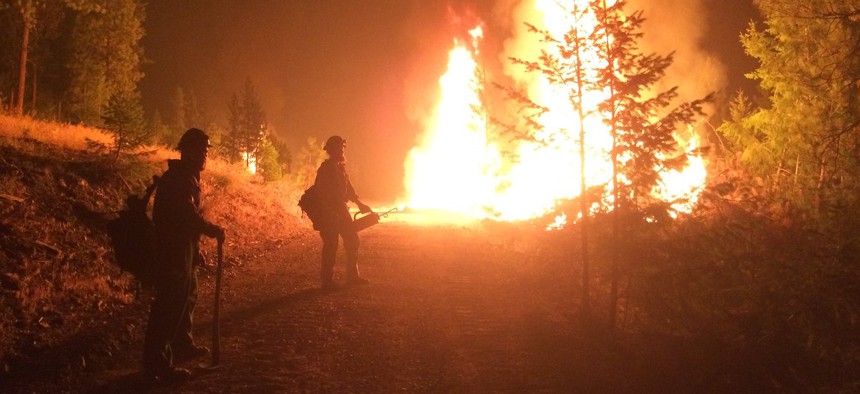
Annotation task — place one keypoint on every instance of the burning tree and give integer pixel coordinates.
(596, 64)
(247, 125)
(642, 129)
(567, 66)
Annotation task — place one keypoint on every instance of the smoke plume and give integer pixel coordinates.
(671, 26)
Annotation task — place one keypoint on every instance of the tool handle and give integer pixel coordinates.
(216, 314)
(354, 217)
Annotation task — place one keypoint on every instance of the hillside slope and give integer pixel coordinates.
(61, 292)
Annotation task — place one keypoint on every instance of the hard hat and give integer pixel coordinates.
(193, 137)
(333, 141)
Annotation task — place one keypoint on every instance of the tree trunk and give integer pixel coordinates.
(33, 93)
(22, 70)
(616, 238)
(583, 201)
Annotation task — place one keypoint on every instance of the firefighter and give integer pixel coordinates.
(178, 226)
(335, 190)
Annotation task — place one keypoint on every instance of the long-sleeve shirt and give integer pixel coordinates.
(176, 211)
(333, 184)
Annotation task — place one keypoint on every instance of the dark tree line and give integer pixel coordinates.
(77, 61)
(80, 61)
(72, 56)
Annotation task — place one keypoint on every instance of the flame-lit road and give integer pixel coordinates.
(450, 309)
(446, 310)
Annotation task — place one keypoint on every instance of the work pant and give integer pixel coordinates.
(170, 316)
(341, 228)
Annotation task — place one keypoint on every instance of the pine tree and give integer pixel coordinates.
(285, 155)
(123, 116)
(107, 56)
(267, 161)
(186, 112)
(38, 30)
(177, 114)
(27, 10)
(161, 132)
(247, 124)
(565, 67)
(641, 122)
(31, 14)
(804, 143)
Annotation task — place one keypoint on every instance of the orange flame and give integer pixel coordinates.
(459, 165)
(250, 162)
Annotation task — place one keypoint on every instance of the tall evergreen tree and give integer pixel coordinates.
(268, 164)
(107, 56)
(565, 67)
(178, 112)
(39, 65)
(247, 124)
(186, 112)
(285, 155)
(27, 10)
(160, 130)
(641, 122)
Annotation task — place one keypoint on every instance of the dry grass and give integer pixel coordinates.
(62, 135)
(225, 181)
(58, 278)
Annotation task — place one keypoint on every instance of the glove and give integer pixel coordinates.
(221, 235)
(363, 208)
(217, 232)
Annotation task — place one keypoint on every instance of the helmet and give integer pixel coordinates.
(191, 138)
(333, 141)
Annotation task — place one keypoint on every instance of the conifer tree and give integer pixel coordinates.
(37, 32)
(565, 68)
(161, 132)
(106, 56)
(268, 163)
(803, 144)
(641, 123)
(27, 10)
(123, 116)
(247, 124)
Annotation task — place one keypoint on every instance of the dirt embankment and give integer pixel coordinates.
(65, 307)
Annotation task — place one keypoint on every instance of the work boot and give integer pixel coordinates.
(170, 375)
(189, 352)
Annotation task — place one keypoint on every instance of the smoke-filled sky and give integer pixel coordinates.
(368, 70)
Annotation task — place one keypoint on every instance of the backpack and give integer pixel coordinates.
(132, 236)
(312, 206)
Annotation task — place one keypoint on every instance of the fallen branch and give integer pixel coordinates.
(12, 198)
(53, 248)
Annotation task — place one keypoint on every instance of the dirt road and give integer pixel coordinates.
(449, 309)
